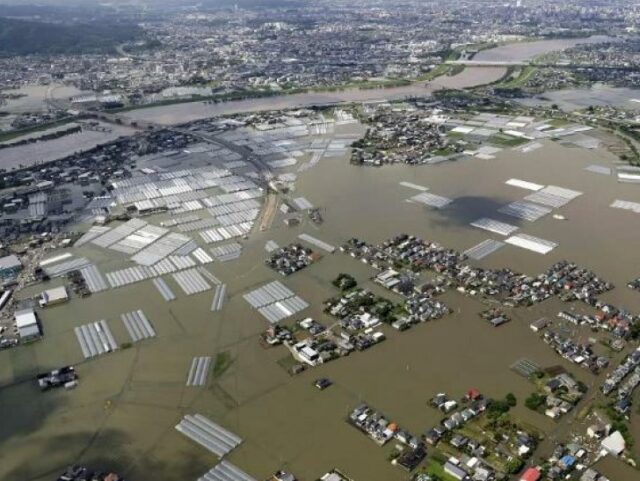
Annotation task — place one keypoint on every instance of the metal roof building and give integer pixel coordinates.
(57, 295)
(27, 324)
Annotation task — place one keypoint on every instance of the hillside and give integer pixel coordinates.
(21, 37)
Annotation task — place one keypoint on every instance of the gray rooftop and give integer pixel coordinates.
(10, 262)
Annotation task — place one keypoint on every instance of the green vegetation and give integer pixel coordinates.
(506, 140)
(376, 84)
(456, 70)
(435, 469)
(514, 465)
(623, 133)
(344, 282)
(455, 135)
(519, 80)
(619, 423)
(634, 332)
(223, 362)
(558, 122)
(13, 134)
(440, 70)
(499, 407)
(535, 401)
(445, 151)
(21, 37)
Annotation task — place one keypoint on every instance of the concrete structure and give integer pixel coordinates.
(27, 324)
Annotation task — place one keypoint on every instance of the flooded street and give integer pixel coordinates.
(124, 410)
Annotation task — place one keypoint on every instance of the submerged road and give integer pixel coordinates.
(246, 153)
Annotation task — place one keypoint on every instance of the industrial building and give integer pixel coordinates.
(27, 324)
(51, 297)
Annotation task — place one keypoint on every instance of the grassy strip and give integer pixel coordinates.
(258, 94)
(504, 140)
(436, 470)
(14, 134)
(223, 362)
(525, 74)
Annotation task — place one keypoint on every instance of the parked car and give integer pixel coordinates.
(322, 383)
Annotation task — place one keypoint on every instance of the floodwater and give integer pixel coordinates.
(36, 97)
(599, 95)
(468, 78)
(521, 51)
(42, 152)
(123, 412)
(186, 112)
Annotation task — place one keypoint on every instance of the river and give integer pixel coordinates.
(186, 112)
(468, 78)
(521, 51)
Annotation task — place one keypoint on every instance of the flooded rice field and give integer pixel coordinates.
(35, 98)
(598, 95)
(46, 151)
(123, 413)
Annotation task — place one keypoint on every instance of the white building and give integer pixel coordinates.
(51, 297)
(27, 324)
(614, 444)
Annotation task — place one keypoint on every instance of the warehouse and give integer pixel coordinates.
(27, 324)
(51, 297)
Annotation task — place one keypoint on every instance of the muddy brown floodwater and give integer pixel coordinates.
(468, 78)
(186, 112)
(123, 413)
(528, 50)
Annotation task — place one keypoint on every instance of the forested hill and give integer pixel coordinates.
(22, 37)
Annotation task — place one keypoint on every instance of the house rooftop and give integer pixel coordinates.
(531, 474)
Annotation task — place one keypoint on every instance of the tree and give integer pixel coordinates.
(534, 401)
(511, 399)
(514, 465)
(497, 409)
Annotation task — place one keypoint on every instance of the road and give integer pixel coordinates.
(260, 165)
